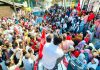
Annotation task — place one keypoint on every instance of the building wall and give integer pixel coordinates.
(5, 11)
(91, 5)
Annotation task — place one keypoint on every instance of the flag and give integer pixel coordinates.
(78, 8)
(65, 62)
(43, 38)
(36, 65)
(43, 34)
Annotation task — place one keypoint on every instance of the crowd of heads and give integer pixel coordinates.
(21, 37)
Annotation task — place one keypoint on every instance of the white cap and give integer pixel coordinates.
(79, 17)
(91, 44)
(96, 60)
(88, 31)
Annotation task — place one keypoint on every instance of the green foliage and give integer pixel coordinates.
(75, 1)
(16, 0)
(42, 0)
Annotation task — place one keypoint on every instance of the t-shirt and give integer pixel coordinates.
(64, 25)
(27, 48)
(18, 53)
(67, 44)
(91, 16)
(28, 64)
(94, 66)
(3, 65)
(68, 37)
(51, 53)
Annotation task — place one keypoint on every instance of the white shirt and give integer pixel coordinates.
(51, 53)
(27, 48)
(18, 53)
(28, 63)
(62, 20)
(4, 67)
(94, 66)
(74, 11)
(64, 25)
(33, 22)
(13, 67)
(70, 18)
(10, 38)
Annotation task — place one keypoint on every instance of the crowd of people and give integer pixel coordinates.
(62, 33)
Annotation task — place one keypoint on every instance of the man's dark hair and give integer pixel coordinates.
(14, 38)
(29, 35)
(57, 39)
(7, 63)
(30, 44)
(68, 33)
(91, 69)
(90, 48)
(15, 44)
(30, 50)
(48, 38)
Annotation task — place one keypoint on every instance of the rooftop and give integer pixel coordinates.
(11, 3)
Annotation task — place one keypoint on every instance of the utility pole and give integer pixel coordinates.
(64, 3)
(29, 3)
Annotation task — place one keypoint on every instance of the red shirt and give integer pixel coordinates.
(86, 39)
(34, 44)
(76, 53)
(91, 16)
(83, 12)
(44, 17)
(68, 38)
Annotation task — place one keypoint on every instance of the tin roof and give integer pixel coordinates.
(11, 3)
